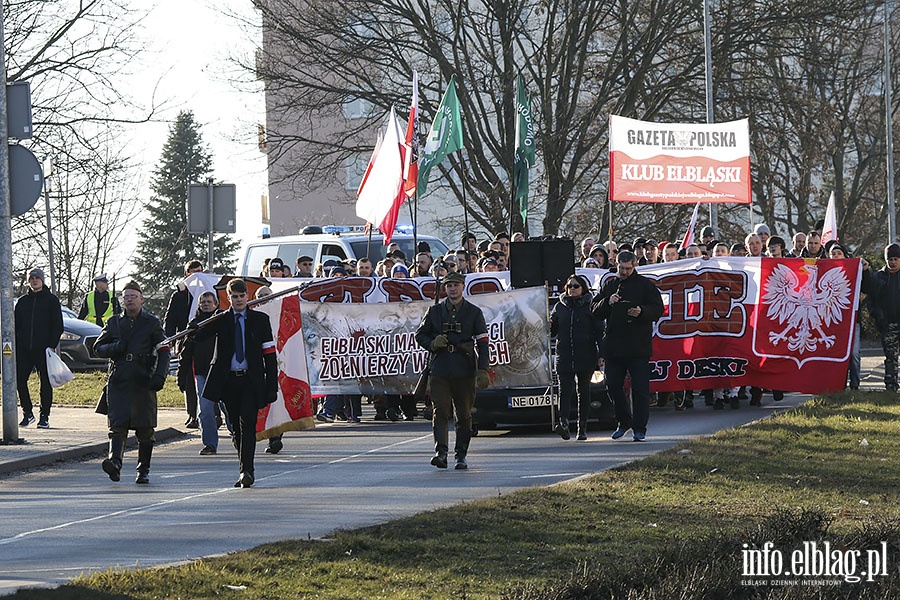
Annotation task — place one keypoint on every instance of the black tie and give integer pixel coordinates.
(238, 339)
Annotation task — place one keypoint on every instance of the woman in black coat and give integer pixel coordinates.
(578, 334)
(196, 357)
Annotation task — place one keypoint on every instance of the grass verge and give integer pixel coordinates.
(670, 526)
(85, 389)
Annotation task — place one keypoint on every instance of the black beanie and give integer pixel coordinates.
(892, 251)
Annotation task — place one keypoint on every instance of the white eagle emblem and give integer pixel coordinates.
(808, 308)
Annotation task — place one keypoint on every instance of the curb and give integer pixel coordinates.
(52, 457)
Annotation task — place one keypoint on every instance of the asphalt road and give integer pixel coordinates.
(70, 519)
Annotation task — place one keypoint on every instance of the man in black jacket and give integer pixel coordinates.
(39, 325)
(883, 289)
(631, 304)
(135, 343)
(176, 319)
(244, 371)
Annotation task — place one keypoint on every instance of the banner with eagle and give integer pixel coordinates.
(779, 324)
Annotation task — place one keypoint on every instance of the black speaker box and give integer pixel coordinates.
(533, 262)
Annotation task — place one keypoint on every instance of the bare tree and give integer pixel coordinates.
(72, 53)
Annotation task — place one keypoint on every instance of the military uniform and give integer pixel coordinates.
(453, 369)
(139, 363)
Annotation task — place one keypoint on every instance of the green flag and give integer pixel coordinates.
(444, 137)
(524, 148)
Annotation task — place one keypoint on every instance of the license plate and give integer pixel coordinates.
(531, 401)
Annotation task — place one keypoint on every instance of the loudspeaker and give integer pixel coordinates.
(525, 264)
(559, 261)
(533, 262)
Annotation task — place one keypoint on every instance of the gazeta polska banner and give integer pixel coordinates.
(777, 323)
(679, 163)
(370, 348)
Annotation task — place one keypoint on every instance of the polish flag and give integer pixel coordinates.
(829, 231)
(689, 234)
(381, 191)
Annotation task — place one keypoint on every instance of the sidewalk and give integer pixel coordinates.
(78, 432)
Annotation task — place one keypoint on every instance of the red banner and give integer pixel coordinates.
(780, 324)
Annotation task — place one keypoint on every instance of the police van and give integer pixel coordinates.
(333, 242)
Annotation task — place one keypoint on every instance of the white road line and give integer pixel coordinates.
(141, 509)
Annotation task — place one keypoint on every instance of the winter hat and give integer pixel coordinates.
(761, 228)
(892, 251)
(36, 272)
(707, 232)
(400, 269)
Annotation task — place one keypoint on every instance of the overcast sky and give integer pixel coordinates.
(189, 45)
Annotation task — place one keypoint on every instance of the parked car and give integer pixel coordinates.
(328, 243)
(76, 346)
(532, 406)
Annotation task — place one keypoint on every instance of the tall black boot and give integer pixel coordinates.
(463, 436)
(441, 445)
(112, 465)
(145, 451)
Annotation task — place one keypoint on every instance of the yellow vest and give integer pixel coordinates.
(92, 309)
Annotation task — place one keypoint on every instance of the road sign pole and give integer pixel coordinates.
(7, 331)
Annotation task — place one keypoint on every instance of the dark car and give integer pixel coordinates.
(532, 406)
(76, 346)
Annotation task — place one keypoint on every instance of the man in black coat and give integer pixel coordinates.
(630, 303)
(451, 331)
(176, 319)
(883, 289)
(39, 325)
(139, 362)
(244, 371)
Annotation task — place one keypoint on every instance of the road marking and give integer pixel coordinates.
(149, 507)
(550, 475)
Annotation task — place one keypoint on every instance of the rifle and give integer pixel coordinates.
(422, 384)
(218, 316)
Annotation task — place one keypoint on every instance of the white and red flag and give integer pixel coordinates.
(381, 191)
(689, 235)
(411, 156)
(293, 408)
(829, 230)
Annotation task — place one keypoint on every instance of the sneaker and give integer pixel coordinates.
(439, 460)
(461, 463)
(562, 429)
(639, 437)
(26, 421)
(192, 424)
(275, 446)
(207, 450)
(44, 423)
(582, 436)
(393, 414)
(324, 417)
(618, 433)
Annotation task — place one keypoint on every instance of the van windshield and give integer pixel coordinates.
(377, 249)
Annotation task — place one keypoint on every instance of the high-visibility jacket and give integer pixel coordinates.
(92, 309)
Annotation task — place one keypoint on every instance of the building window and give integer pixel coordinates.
(358, 108)
(354, 168)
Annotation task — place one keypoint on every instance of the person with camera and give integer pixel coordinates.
(451, 330)
(136, 345)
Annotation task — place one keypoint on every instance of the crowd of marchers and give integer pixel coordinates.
(609, 328)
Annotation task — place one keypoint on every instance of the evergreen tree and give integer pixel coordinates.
(165, 244)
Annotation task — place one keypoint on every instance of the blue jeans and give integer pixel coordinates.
(209, 433)
(855, 360)
(632, 417)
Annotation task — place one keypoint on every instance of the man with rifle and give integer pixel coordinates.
(451, 330)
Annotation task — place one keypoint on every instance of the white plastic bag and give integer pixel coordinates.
(57, 371)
